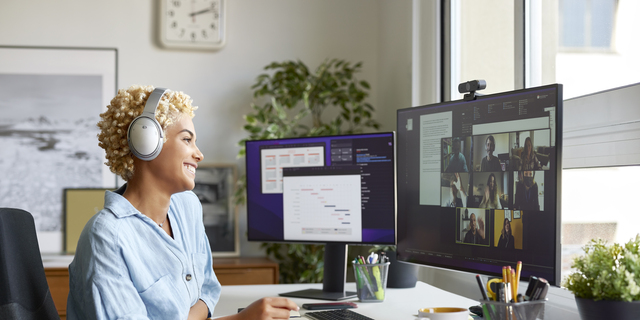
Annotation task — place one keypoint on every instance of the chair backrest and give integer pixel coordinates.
(24, 292)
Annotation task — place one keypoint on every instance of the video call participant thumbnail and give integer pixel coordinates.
(491, 193)
(529, 160)
(490, 152)
(507, 229)
(456, 191)
(490, 162)
(526, 191)
(457, 160)
(474, 232)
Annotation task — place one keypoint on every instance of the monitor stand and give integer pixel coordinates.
(335, 276)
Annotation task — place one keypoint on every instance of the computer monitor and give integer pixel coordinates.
(332, 190)
(479, 183)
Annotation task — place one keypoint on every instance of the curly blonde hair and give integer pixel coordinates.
(126, 106)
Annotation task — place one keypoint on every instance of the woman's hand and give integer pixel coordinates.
(268, 308)
(198, 311)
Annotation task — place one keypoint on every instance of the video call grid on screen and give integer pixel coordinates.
(320, 162)
(448, 145)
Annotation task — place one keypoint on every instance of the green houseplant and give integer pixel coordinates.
(290, 100)
(606, 281)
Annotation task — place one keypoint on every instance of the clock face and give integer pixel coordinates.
(192, 23)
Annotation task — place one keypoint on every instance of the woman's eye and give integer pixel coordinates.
(188, 140)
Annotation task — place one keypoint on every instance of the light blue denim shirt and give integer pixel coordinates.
(127, 267)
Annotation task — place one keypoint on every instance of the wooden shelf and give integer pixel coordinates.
(230, 271)
(245, 271)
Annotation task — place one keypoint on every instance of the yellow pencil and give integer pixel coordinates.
(518, 271)
(504, 274)
(514, 285)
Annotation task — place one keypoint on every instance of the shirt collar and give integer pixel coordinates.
(118, 204)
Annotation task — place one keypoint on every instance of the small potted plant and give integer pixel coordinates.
(606, 280)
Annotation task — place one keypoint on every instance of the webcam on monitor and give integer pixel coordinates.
(470, 87)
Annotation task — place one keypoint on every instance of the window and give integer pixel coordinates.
(573, 42)
(482, 45)
(597, 203)
(587, 25)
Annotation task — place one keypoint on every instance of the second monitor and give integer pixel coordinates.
(333, 190)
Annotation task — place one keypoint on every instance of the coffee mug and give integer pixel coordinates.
(444, 313)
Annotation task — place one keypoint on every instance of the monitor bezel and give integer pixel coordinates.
(346, 136)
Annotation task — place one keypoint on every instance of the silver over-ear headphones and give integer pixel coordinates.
(145, 133)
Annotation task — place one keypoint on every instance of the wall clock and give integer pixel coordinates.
(192, 24)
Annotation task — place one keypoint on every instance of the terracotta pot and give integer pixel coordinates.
(606, 309)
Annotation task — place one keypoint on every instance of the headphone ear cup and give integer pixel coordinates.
(145, 135)
(145, 138)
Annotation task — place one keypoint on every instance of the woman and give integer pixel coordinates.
(529, 159)
(146, 255)
(506, 238)
(490, 199)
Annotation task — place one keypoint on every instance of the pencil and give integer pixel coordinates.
(514, 286)
(504, 274)
(518, 271)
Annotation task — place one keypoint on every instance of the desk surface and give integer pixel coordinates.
(398, 304)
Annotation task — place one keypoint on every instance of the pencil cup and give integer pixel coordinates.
(371, 281)
(528, 310)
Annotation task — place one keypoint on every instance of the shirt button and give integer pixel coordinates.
(188, 277)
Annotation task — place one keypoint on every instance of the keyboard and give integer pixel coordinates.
(339, 314)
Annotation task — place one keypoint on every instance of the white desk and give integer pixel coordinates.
(398, 303)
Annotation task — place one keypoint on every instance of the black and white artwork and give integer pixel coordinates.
(214, 187)
(48, 117)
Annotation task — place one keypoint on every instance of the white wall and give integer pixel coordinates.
(258, 32)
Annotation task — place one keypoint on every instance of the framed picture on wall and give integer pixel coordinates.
(507, 214)
(80, 204)
(516, 214)
(214, 188)
(50, 102)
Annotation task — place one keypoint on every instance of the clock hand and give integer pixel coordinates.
(193, 14)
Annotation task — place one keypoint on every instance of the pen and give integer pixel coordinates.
(533, 282)
(379, 293)
(355, 261)
(500, 291)
(481, 285)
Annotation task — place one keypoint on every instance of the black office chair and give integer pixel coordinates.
(24, 292)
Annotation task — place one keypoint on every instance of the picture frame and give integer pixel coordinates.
(516, 214)
(507, 214)
(51, 99)
(214, 188)
(80, 204)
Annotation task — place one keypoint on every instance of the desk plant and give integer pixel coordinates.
(290, 101)
(607, 280)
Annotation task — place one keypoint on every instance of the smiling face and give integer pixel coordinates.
(176, 165)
